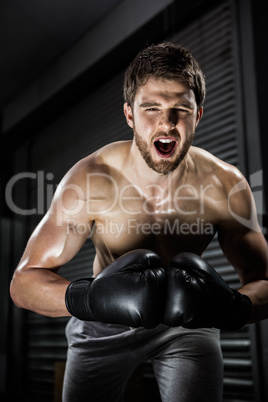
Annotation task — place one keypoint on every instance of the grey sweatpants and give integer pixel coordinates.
(101, 357)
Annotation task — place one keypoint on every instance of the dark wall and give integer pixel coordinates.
(260, 26)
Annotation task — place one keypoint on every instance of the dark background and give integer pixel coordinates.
(53, 57)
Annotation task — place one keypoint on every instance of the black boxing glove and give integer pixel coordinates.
(198, 297)
(130, 291)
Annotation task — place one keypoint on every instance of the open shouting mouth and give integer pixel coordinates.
(165, 146)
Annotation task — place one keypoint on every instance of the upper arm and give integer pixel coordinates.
(247, 253)
(240, 236)
(57, 238)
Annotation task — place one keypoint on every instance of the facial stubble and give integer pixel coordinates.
(165, 166)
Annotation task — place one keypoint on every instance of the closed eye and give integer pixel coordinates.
(152, 109)
(181, 110)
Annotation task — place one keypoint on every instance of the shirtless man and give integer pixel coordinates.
(151, 207)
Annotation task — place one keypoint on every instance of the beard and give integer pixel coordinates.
(165, 166)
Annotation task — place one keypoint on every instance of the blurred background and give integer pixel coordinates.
(61, 75)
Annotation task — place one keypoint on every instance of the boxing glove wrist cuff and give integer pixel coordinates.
(77, 299)
(241, 312)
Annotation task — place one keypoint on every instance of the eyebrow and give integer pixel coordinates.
(184, 103)
(149, 104)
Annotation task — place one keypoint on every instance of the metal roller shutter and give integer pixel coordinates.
(211, 40)
(83, 130)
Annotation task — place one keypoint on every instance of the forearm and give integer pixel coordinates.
(258, 293)
(40, 290)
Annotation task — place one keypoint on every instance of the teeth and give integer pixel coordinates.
(165, 140)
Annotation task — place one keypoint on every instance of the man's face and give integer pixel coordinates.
(164, 119)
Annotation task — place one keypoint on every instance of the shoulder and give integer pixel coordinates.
(219, 172)
(92, 179)
(238, 206)
(105, 161)
(227, 188)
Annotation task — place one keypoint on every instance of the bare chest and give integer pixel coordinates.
(165, 222)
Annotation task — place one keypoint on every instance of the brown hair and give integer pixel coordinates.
(167, 61)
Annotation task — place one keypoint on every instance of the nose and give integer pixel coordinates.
(168, 120)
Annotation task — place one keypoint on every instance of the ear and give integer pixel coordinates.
(129, 115)
(199, 116)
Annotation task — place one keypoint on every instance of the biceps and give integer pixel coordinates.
(52, 245)
(247, 253)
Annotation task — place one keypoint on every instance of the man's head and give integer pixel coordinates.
(164, 92)
(165, 61)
